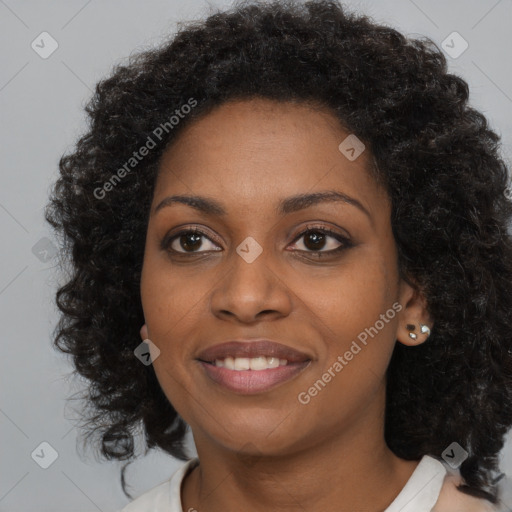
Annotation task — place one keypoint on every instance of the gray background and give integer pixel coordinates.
(41, 107)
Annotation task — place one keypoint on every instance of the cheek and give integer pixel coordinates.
(169, 297)
(168, 305)
(351, 298)
(353, 311)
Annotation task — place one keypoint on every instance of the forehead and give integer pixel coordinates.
(251, 151)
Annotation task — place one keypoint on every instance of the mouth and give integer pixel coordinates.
(252, 367)
(240, 364)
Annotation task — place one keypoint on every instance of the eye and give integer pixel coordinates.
(318, 241)
(321, 241)
(189, 241)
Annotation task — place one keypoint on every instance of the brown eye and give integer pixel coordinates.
(318, 239)
(314, 240)
(189, 241)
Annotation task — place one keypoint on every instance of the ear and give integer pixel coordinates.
(144, 332)
(414, 322)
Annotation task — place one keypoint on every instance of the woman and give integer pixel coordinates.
(305, 222)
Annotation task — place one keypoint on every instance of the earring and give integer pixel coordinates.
(411, 328)
(425, 329)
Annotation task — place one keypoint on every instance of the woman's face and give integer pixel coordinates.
(250, 274)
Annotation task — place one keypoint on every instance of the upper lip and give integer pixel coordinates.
(252, 348)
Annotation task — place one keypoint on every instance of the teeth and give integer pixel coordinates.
(242, 363)
(258, 363)
(255, 363)
(229, 363)
(273, 362)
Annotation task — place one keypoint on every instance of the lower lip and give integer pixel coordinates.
(251, 382)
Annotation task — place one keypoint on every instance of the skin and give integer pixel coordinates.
(268, 451)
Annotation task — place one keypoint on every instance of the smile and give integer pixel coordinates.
(263, 374)
(246, 363)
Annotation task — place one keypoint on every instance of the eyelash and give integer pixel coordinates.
(345, 242)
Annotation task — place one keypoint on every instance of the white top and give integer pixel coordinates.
(430, 484)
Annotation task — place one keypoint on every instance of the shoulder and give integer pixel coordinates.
(152, 500)
(452, 500)
(165, 497)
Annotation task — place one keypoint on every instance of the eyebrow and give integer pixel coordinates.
(289, 205)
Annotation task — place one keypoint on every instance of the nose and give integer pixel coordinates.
(250, 292)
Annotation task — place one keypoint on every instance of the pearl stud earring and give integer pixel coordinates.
(424, 329)
(411, 328)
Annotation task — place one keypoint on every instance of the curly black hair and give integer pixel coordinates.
(436, 156)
